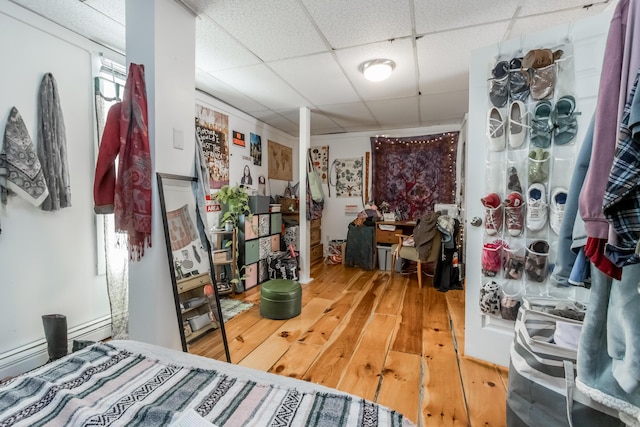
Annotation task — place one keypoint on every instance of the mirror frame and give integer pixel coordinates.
(207, 246)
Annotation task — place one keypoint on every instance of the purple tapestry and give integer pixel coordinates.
(412, 174)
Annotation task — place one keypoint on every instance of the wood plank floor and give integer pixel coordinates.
(375, 335)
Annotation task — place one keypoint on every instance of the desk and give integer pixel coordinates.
(385, 237)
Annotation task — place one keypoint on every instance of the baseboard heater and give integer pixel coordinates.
(34, 354)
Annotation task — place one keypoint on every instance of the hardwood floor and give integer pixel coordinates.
(378, 336)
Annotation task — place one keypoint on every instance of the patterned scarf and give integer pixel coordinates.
(132, 201)
(52, 146)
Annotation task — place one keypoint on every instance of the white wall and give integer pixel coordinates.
(48, 259)
(350, 145)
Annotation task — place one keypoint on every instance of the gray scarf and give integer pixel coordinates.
(52, 146)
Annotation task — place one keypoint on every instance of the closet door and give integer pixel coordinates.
(489, 336)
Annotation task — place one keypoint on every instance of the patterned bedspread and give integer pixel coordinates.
(105, 385)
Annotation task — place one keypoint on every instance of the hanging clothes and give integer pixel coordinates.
(127, 195)
(52, 146)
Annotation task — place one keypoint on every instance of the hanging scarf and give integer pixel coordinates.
(127, 195)
(132, 201)
(52, 146)
(20, 169)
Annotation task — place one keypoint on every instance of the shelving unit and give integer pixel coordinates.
(257, 238)
(189, 289)
(224, 259)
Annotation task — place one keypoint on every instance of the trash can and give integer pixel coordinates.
(384, 257)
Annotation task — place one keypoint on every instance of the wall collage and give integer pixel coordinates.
(531, 144)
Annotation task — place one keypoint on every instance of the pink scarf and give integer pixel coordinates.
(132, 201)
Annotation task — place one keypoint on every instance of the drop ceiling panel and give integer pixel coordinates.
(263, 85)
(436, 16)
(444, 107)
(318, 78)
(351, 23)
(392, 113)
(82, 19)
(346, 115)
(444, 57)
(272, 29)
(226, 93)
(110, 8)
(216, 50)
(319, 122)
(278, 121)
(402, 82)
(531, 24)
(546, 6)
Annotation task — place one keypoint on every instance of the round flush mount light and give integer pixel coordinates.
(377, 70)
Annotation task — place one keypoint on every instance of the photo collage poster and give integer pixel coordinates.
(212, 127)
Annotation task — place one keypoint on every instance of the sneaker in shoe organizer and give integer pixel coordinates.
(536, 261)
(536, 207)
(556, 208)
(492, 258)
(490, 298)
(492, 214)
(514, 213)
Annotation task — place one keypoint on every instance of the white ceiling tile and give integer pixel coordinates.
(531, 24)
(110, 8)
(345, 115)
(444, 57)
(271, 29)
(444, 107)
(350, 23)
(318, 78)
(546, 6)
(435, 16)
(320, 123)
(226, 93)
(262, 85)
(278, 121)
(82, 19)
(402, 82)
(395, 112)
(216, 50)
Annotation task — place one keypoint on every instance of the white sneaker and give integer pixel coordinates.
(496, 132)
(536, 207)
(556, 208)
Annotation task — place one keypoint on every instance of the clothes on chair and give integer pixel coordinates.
(424, 232)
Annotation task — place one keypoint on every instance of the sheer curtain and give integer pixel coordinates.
(116, 255)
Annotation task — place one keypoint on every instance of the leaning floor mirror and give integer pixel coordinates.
(197, 302)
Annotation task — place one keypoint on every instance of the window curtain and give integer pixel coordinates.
(414, 173)
(116, 255)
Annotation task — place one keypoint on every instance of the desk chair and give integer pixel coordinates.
(411, 253)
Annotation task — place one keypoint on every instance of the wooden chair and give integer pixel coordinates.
(411, 253)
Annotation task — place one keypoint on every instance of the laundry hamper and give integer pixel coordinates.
(541, 379)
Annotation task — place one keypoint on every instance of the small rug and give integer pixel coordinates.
(233, 307)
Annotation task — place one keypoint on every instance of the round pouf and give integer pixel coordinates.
(280, 299)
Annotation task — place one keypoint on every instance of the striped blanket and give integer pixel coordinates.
(106, 385)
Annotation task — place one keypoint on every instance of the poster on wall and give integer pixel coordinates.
(280, 161)
(212, 128)
(348, 177)
(320, 160)
(256, 149)
(238, 138)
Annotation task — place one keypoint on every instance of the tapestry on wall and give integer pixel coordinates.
(212, 128)
(412, 174)
(256, 149)
(348, 177)
(320, 160)
(280, 161)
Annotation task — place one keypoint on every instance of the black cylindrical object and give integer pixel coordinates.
(55, 331)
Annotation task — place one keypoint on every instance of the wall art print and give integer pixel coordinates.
(238, 138)
(255, 148)
(348, 177)
(212, 128)
(320, 160)
(413, 174)
(280, 161)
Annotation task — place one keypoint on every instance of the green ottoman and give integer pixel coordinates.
(280, 299)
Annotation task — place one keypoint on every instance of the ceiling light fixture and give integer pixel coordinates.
(377, 70)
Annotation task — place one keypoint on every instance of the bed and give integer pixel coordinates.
(133, 383)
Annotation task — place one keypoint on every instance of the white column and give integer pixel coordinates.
(161, 36)
(304, 143)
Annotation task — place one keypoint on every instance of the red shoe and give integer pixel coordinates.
(514, 213)
(492, 213)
